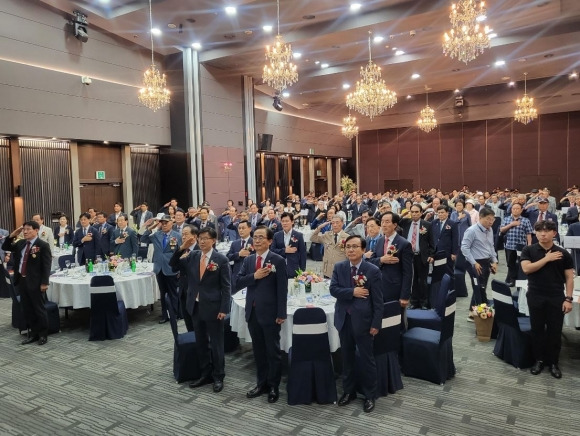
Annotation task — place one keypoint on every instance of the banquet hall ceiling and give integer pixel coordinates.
(540, 37)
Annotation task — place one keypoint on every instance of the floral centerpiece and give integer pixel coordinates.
(482, 311)
(483, 317)
(307, 277)
(114, 262)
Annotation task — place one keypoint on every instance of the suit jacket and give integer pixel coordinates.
(357, 210)
(112, 219)
(231, 233)
(197, 223)
(572, 215)
(37, 266)
(213, 289)
(162, 256)
(89, 249)
(294, 261)
(137, 214)
(275, 225)
(267, 296)
(104, 245)
(397, 277)
(333, 253)
(233, 256)
(68, 237)
(46, 234)
(574, 230)
(129, 247)
(535, 213)
(426, 246)
(364, 312)
(446, 240)
(259, 220)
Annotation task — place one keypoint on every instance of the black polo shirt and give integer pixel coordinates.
(550, 279)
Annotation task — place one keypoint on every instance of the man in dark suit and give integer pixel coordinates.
(86, 240)
(141, 214)
(540, 214)
(203, 220)
(124, 239)
(394, 256)
(290, 245)
(574, 230)
(208, 302)
(240, 249)
(104, 229)
(358, 313)
(572, 214)
(32, 261)
(255, 218)
(446, 238)
(118, 210)
(165, 242)
(418, 233)
(272, 222)
(264, 275)
(357, 208)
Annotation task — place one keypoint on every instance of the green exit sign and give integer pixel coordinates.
(100, 175)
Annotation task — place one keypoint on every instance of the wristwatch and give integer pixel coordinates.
(569, 299)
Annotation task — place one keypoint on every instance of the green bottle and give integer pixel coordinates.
(90, 265)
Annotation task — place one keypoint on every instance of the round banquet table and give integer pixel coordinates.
(239, 325)
(135, 289)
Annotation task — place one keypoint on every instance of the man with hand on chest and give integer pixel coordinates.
(240, 249)
(290, 245)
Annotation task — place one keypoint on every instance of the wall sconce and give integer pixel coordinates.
(227, 166)
(18, 190)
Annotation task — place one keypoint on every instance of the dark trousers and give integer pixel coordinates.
(167, 286)
(267, 354)
(349, 342)
(511, 257)
(419, 295)
(182, 304)
(32, 303)
(546, 319)
(210, 345)
(479, 281)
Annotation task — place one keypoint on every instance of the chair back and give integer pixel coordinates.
(439, 293)
(505, 311)
(448, 322)
(172, 317)
(62, 259)
(310, 335)
(103, 294)
(521, 275)
(389, 335)
(439, 267)
(7, 279)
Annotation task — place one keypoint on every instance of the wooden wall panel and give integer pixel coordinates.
(409, 155)
(388, 161)
(369, 161)
(553, 146)
(94, 158)
(429, 159)
(573, 175)
(474, 154)
(525, 140)
(451, 166)
(499, 153)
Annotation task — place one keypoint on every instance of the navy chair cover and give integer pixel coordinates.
(514, 340)
(428, 354)
(62, 259)
(461, 267)
(386, 350)
(231, 340)
(108, 316)
(310, 374)
(185, 361)
(431, 319)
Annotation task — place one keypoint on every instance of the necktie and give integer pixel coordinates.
(202, 265)
(259, 263)
(386, 248)
(541, 216)
(84, 231)
(414, 238)
(25, 260)
(352, 274)
(335, 238)
(372, 244)
(165, 240)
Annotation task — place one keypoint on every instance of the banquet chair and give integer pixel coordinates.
(185, 361)
(428, 354)
(62, 260)
(310, 373)
(438, 271)
(108, 316)
(514, 340)
(386, 350)
(431, 319)
(459, 271)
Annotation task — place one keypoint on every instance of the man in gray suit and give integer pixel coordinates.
(141, 214)
(165, 243)
(124, 239)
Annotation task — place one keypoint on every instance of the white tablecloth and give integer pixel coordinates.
(56, 254)
(239, 325)
(223, 247)
(135, 289)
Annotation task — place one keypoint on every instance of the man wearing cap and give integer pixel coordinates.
(165, 243)
(539, 214)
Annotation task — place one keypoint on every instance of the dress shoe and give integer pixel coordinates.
(200, 382)
(555, 371)
(163, 321)
(413, 306)
(424, 307)
(346, 398)
(537, 368)
(30, 340)
(470, 318)
(218, 385)
(257, 391)
(42, 340)
(369, 405)
(273, 395)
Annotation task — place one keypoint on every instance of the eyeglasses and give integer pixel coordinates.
(260, 238)
(352, 247)
(204, 239)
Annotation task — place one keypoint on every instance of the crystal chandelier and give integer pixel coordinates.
(279, 71)
(525, 111)
(154, 93)
(371, 96)
(427, 121)
(467, 38)
(349, 129)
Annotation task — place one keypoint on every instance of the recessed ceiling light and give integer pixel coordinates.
(196, 45)
(316, 62)
(104, 2)
(573, 75)
(231, 10)
(53, 138)
(415, 76)
(305, 104)
(512, 84)
(499, 63)
(105, 142)
(505, 78)
(378, 39)
(457, 91)
(492, 35)
(267, 28)
(481, 18)
(296, 55)
(285, 94)
(248, 32)
(409, 97)
(172, 25)
(354, 7)
(324, 65)
(399, 52)
(345, 85)
(156, 31)
(394, 48)
(146, 145)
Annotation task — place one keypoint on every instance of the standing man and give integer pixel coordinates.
(333, 241)
(358, 313)
(227, 218)
(418, 233)
(104, 230)
(239, 250)
(541, 214)
(548, 267)
(86, 240)
(358, 225)
(179, 221)
(264, 275)
(478, 248)
(446, 238)
(32, 261)
(141, 214)
(373, 228)
(118, 211)
(272, 221)
(124, 239)
(289, 244)
(203, 220)
(518, 231)
(255, 217)
(165, 243)
(208, 302)
(44, 233)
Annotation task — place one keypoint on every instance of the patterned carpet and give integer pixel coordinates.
(125, 387)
